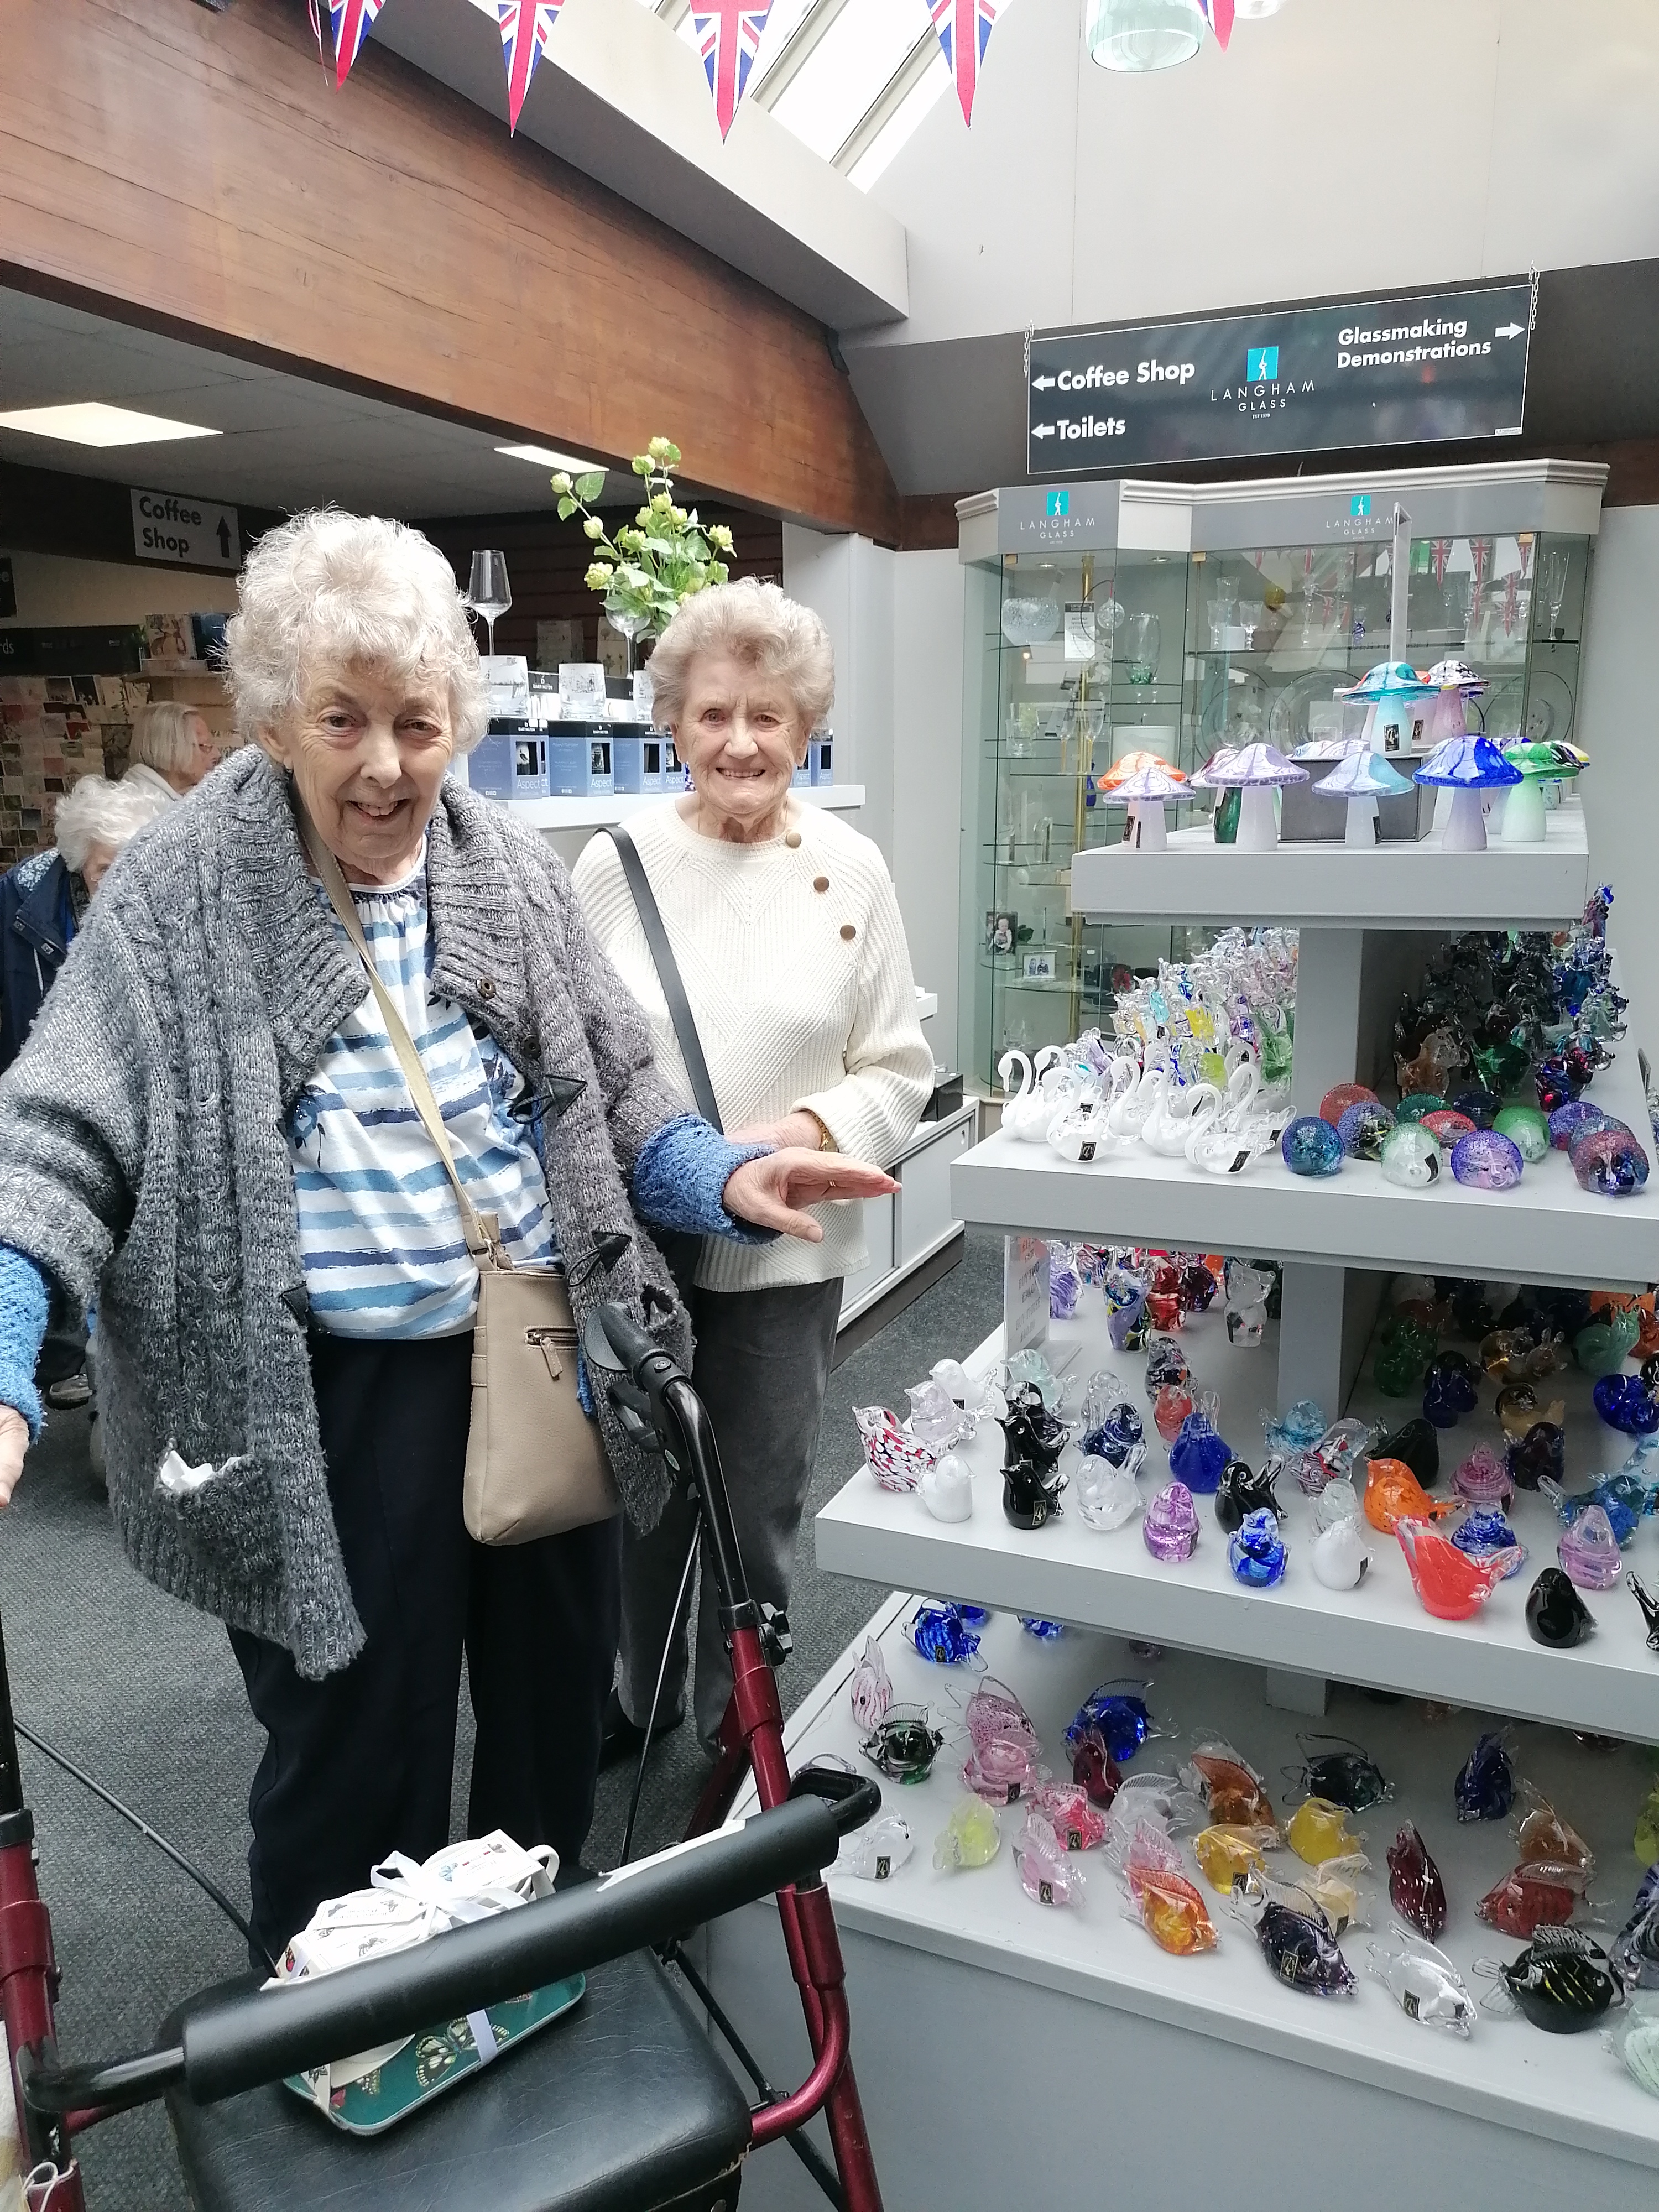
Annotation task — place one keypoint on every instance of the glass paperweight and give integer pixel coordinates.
(1338, 1099)
(1447, 1126)
(1423, 1981)
(1241, 1490)
(1625, 1403)
(1415, 1889)
(1171, 1524)
(1556, 1615)
(1417, 1104)
(1487, 1535)
(1418, 1443)
(1609, 1162)
(1572, 1120)
(1484, 1477)
(1410, 1155)
(1364, 1129)
(1310, 1147)
(1588, 1551)
(1340, 1557)
(1538, 1455)
(1479, 1105)
(1450, 1585)
(1257, 1554)
(1484, 1160)
(1526, 1130)
(1484, 1788)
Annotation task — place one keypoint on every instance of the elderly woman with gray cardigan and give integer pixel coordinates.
(209, 1135)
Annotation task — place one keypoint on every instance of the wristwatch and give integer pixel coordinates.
(826, 1142)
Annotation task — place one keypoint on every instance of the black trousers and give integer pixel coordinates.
(360, 1763)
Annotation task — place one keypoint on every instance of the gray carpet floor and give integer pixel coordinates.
(144, 1693)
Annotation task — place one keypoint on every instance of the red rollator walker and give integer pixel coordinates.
(623, 2106)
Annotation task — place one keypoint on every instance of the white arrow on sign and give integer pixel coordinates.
(1042, 383)
(1507, 330)
(1042, 429)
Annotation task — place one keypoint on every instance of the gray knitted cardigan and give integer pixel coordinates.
(143, 1163)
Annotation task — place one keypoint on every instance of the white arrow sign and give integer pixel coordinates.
(1043, 384)
(1507, 330)
(1042, 429)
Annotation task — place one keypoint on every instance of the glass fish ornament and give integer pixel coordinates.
(972, 1836)
(1563, 1981)
(1423, 1981)
(1066, 1807)
(1342, 1774)
(1335, 1886)
(1415, 1889)
(1095, 1771)
(1001, 1770)
(1634, 2041)
(1393, 1492)
(871, 1688)
(1174, 1914)
(1147, 1849)
(1302, 1954)
(877, 1851)
(1450, 1585)
(1542, 1837)
(1484, 1788)
(1224, 1851)
(1231, 1793)
(903, 1744)
(1319, 1830)
(1121, 1715)
(1529, 1898)
(939, 1633)
(1048, 1875)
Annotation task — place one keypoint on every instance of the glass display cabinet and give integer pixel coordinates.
(1104, 619)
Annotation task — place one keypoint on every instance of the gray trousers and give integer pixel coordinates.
(762, 1367)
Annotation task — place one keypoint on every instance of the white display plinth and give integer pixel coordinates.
(1378, 1634)
(1009, 2053)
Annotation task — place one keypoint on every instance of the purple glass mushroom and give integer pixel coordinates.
(1454, 681)
(1362, 779)
(1255, 771)
(1466, 766)
(1145, 794)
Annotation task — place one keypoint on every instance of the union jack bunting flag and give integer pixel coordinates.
(526, 27)
(352, 20)
(1218, 15)
(728, 39)
(964, 32)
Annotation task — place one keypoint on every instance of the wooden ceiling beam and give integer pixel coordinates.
(198, 173)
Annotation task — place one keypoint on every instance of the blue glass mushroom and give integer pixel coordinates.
(1394, 692)
(1466, 766)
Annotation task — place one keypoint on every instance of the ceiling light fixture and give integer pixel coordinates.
(545, 458)
(1143, 35)
(91, 423)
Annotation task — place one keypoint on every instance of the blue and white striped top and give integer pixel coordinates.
(379, 1230)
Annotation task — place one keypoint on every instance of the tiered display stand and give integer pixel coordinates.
(1011, 2052)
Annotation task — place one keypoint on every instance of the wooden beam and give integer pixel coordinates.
(199, 173)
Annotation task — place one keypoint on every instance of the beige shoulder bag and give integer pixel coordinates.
(535, 1463)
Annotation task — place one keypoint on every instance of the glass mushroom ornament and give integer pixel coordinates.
(1361, 778)
(1453, 683)
(1395, 692)
(1255, 772)
(1145, 792)
(1467, 767)
(1545, 762)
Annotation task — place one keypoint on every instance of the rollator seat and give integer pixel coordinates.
(620, 2106)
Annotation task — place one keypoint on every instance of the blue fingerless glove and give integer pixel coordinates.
(25, 1306)
(681, 1171)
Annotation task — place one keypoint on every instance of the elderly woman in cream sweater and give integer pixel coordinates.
(786, 930)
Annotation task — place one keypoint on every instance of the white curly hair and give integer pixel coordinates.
(328, 589)
(98, 812)
(759, 628)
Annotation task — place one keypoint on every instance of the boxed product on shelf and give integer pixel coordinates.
(509, 763)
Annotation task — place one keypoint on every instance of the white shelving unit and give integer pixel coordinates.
(996, 2039)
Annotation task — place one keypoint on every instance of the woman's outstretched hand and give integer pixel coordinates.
(13, 1442)
(771, 1190)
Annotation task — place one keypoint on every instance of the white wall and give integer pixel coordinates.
(1343, 145)
(849, 582)
(928, 834)
(54, 593)
(1616, 728)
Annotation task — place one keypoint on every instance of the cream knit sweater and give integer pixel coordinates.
(794, 959)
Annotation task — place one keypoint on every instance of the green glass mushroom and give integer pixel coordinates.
(1541, 761)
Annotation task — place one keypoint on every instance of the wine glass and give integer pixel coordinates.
(1555, 586)
(1145, 642)
(630, 620)
(489, 594)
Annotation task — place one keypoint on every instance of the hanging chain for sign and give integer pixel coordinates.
(1532, 279)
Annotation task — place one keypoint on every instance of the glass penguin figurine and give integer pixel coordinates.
(1031, 1480)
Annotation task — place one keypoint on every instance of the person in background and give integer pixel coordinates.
(43, 899)
(786, 929)
(211, 1136)
(172, 748)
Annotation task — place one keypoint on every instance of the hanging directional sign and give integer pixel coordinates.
(189, 533)
(1296, 380)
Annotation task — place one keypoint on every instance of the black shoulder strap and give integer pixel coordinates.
(668, 973)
